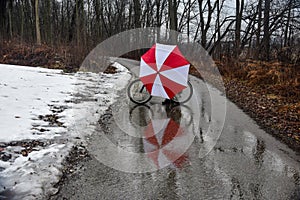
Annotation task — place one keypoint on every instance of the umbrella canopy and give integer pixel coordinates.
(165, 143)
(164, 70)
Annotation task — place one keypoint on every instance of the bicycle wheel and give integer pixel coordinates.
(138, 93)
(185, 95)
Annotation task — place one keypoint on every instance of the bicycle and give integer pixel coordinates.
(138, 93)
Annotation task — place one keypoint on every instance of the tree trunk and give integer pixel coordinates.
(188, 20)
(137, 13)
(238, 24)
(258, 31)
(159, 10)
(22, 20)
(77, 23)
(62, 21)
(286, 42)
(205, 26)
(37, 23)
(3, 6)
(218, 27)
(173, 19)
(266, 38)
(9, 7)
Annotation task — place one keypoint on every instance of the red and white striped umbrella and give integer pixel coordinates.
(164, 70)
(165, 143)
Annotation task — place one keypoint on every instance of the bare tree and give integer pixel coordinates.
(173, 14)
(10, 23)
(137, 13)
(37, 23)
(266, 37)
(172, 10)
(238, 23)
(287, 25)
(205, 25)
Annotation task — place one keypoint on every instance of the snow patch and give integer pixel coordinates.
(47, 105)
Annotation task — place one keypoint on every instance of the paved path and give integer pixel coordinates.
(227, 156)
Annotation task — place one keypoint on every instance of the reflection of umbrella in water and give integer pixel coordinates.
(165, 143)
(164, 70)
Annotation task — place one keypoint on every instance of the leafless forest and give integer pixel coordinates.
(263, 29)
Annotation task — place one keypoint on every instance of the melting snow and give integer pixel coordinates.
(54, 108)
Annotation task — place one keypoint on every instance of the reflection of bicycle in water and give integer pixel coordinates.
(165, 136)
(138, 93)
(141, 115)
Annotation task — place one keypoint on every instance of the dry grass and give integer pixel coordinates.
(67, 58)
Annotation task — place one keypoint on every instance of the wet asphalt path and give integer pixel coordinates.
(217, 155)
